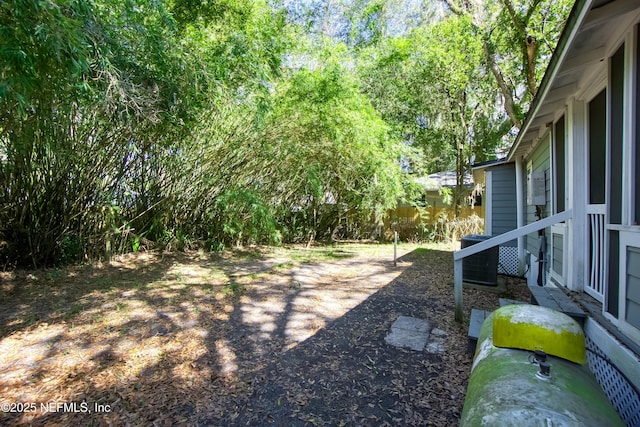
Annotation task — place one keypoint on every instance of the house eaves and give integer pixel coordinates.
(590, 32)
(488, 164)
(478, 169)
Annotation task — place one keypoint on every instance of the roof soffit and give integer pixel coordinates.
(582, 51)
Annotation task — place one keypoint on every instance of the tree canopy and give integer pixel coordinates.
(131, 123)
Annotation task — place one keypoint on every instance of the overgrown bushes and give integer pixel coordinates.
(443, 229)
(127, 125)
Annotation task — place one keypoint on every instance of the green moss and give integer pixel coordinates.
(504, 389)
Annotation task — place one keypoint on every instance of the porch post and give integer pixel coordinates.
(457, 288)
(520, 212)
(577, 178)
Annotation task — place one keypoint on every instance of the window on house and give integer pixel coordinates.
(616, 105)
(597, 147)
(616, 120)
(559, 159)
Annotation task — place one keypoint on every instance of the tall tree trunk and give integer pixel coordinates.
(531, 47)
(457, 197)
(505, 89)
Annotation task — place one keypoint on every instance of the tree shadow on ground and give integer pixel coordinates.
(291, 345)
(346, 374)
(151, 338)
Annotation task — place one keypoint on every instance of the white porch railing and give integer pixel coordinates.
(597, 260)
(495, 241)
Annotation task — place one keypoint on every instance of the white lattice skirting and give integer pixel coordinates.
(508, 260)
(621, 394)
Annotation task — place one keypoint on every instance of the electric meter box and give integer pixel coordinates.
(536, 191)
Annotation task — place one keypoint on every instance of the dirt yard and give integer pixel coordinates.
(263, 336)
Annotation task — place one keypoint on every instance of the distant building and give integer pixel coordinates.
(437, 204)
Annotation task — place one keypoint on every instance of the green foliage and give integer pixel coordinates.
(71, 248)
(234, 289)
(242, 217)
(515, 21)
(97, 107)
(518, 37)
(434, 92)
(447, 195)
(43, 47)
(334, 148)
(431, 87)
(127, 124)
(135, 244)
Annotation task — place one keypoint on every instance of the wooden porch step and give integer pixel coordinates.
(477, 319)
(507, 301)
(555, 298)
(475, 323)
(546, 296)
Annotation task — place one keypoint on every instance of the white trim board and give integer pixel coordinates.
(488, 203)
(623, 358)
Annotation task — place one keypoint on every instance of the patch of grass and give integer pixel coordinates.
(234, 289)
(284, 265)
(320, 255)
(74, 309)
(157, 284)
(217, 276)
(247, 253)
(31, 318)
(104, 282)
(340, 254)
(55, 274)
(422, 251)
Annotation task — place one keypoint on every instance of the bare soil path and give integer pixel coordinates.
(257, 337)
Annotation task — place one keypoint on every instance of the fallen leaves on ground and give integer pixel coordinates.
(250, 338)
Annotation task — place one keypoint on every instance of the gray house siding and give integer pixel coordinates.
(633, 287)
(558, 253)
(541, 162)
(503, 201)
